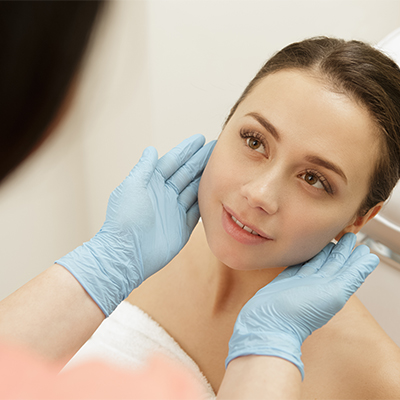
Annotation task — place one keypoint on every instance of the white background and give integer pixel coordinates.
(157, 72)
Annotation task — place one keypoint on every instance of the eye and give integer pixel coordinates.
(313, 180)
(254, 141)
(316, 180)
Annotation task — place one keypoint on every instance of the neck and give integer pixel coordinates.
(233, 288)
(228, 289)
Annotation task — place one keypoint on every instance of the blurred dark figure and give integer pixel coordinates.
(41, 47)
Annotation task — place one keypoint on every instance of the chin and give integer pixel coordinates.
(240, 258)
(233, 258)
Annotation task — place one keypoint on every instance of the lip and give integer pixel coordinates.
(238, 233)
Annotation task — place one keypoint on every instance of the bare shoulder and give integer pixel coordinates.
(351, 358)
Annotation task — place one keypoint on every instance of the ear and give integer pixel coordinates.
(360, 221)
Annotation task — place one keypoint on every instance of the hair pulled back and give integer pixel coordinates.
(367, 76)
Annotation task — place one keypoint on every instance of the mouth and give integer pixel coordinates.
(240, 230)
(242, 226)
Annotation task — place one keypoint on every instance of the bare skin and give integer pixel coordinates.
(351, 357)
(51, 315)
(255, 377)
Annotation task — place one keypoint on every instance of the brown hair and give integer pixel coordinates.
(365, 75)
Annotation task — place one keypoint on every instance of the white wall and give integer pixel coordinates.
(158, 71)
(380, 294)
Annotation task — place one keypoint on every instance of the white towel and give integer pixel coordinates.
(128, 337)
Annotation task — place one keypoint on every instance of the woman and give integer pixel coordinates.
(59, 310)
(309, 152)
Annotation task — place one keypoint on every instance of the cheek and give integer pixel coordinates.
(217, 186)
(215, 181)
(206, 194)
(204, 188)
(202, 194)
(306, 236)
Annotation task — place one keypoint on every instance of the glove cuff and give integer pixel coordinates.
(265, 344)
(106, 276)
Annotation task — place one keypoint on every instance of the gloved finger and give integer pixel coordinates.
(357, 257)
(170, 162)
(287, 273)
(145, 167)
(339, 255)
(193, 168)
(356, 273)
(192, 216)
(309, 267)
(189, 195)
(317, 262)
(359, 251)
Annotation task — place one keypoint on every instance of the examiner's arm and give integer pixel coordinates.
(150, 217)
(52, 314)
(260, 377)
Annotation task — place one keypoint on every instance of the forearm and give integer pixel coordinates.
(260, 377)
(52, 315)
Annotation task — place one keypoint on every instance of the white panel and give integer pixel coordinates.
(385, 227)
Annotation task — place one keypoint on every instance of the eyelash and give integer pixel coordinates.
(245, 135)
(255, 135)
(324, 182)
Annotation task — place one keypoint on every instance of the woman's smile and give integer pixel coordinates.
(242, 232)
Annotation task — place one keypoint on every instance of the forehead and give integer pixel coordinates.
(311, 118)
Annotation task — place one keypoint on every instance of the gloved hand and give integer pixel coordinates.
(150, 217)
(303, 298)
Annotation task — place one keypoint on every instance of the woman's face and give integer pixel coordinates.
(293, 166)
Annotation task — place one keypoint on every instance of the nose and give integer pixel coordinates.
(264, 191)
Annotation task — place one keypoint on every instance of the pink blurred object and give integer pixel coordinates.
(24, 375)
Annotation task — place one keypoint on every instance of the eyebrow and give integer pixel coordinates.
(266, 124)
(312, 159)
(326, 164)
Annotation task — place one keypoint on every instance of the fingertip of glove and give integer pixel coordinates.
(375, 260)
(150, 156)
(346, 243)
(349, 238)
(150, 151)
(197, 140)
(212, 144)
(361, 250)
(196, 136)
(207, 150)
(147, 163)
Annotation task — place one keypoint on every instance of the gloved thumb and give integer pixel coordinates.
(144, 169)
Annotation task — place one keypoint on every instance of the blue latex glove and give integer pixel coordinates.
(150, 217)
(303, 298)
